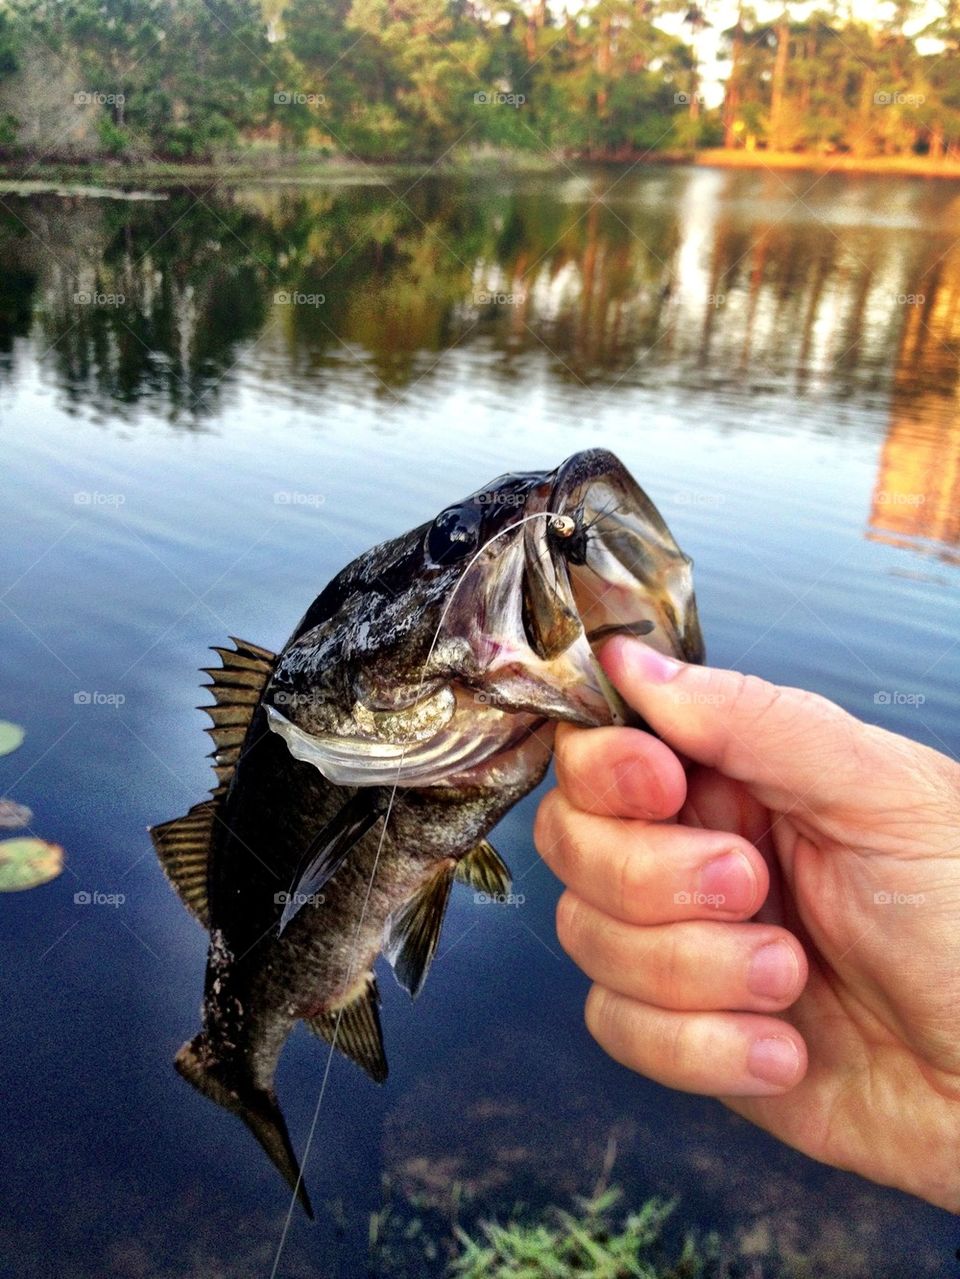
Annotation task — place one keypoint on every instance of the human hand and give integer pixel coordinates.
(779, 929)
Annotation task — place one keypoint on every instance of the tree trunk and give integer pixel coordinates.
(778, 84)
(731, 101)
(604, 56)
(536, 21)
(862, 142)
(641, 10)
(731, 93)
(603, 62)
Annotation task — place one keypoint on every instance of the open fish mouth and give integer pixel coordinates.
(600, 562)
(626, 573)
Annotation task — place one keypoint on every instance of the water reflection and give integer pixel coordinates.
(696, 307)
(694, 276)
(916, 499)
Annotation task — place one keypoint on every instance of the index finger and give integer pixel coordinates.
(618, 772)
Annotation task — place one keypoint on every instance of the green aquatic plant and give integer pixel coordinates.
(24, 862)
(13, 814)
(11, 736)
(588, 1245)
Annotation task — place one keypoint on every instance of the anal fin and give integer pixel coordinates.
(485, 870)
(414, 929)
(354, 1028)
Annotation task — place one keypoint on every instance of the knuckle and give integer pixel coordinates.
(564, 755)
(598, 1013)
(577, 782)
(569, 922)
(792, 722)
(755, 701)
(752, 697)
(752, 700)
(681, 1047)
(628, 878)
(546, 826)
(669, 968)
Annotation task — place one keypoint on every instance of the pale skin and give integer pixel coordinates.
(777, 924)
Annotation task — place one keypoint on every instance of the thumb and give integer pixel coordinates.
(791, 743)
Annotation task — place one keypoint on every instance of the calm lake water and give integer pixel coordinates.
(212, 401)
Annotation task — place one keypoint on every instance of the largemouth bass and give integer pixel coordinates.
(360, 770)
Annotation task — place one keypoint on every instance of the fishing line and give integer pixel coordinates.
(333, 1041)
(376, 862)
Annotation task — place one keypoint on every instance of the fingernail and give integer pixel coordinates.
(645, 663)
(729, 882)
(775, 1060)
(773, 971)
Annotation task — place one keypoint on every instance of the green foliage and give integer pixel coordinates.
(10, 43)
(171, 77)
(587, 1244)
(113, 140)
(825, 84)
(374, 79)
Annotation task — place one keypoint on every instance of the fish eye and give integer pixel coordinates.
(454, 534)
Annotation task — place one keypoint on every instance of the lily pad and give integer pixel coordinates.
(13, 814)
(11, 736)
(25, 863)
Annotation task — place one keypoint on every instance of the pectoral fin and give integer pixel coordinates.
(328, 849)
(485, 870)
(414, 930)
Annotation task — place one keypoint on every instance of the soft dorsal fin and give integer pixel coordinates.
(359, 1036)
(183, 847)
(485, 870)
(183, 844)
(413, 930)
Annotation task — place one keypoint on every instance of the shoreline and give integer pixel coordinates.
(296, 169)
(894, 165)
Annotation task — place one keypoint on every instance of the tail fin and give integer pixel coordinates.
(257, 1107)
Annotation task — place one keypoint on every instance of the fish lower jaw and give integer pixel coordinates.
(523, 757)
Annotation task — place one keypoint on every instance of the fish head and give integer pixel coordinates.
(431, 655)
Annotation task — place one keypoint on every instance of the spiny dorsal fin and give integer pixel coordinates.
(485, 871)
(183, 845)
(236, 688)
(359, 1036)
(414, 930)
